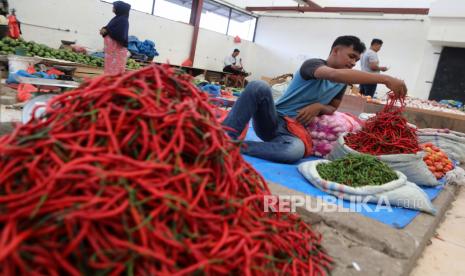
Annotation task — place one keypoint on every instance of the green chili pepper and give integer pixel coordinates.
(357, 170)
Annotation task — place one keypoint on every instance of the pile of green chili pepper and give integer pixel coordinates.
(357, 170)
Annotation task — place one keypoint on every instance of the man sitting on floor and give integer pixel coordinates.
(317, 89)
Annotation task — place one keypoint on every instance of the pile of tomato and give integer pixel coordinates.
(436, 160)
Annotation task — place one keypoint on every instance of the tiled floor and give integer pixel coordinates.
(446, 254)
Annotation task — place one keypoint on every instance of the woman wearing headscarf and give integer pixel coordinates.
(116, 39)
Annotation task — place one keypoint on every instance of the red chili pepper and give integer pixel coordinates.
(134, 174)
(386, 133)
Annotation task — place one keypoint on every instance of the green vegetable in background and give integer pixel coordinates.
(8, 46)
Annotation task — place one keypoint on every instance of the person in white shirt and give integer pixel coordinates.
(233, 65)
(370, 64)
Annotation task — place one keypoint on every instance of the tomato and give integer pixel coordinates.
(429, 162)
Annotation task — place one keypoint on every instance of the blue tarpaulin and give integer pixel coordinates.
(289, 176)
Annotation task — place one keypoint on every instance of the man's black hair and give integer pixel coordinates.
(376, 41)
(236, 51)
(350, 40)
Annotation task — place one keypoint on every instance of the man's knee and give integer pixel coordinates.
(258, 87)
(293, 152)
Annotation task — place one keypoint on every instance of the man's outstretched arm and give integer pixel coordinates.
(351, 76)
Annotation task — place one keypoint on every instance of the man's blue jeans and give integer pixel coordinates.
(256, 103)
(368, 89)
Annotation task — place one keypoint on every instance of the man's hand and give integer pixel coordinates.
(383, 68)
(306, 114)
(356, 76)
(397, 86)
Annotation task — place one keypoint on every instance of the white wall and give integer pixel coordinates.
(212, 47)
(429, 63)
(287, 42)
(447, 22)
(84, 18)
(448, 8)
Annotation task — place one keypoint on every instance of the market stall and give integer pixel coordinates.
(122, 156)
(422, 113)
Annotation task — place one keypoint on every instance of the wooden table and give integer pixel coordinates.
(210, 75)
(423, 118)
(353, 104)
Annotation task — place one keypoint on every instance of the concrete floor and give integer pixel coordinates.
(445, 254)
(362, 246)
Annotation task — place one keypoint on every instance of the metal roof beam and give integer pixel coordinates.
(340, 9)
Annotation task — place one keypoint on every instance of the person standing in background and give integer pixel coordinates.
(370, 64)
(14, 25)
(115, 36)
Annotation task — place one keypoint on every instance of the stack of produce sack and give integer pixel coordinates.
(145, 48)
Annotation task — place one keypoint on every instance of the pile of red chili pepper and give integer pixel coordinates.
(386, 133)
(133, 174)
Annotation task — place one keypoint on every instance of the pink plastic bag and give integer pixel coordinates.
(326, 129)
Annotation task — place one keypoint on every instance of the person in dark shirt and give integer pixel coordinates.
(116, 39)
